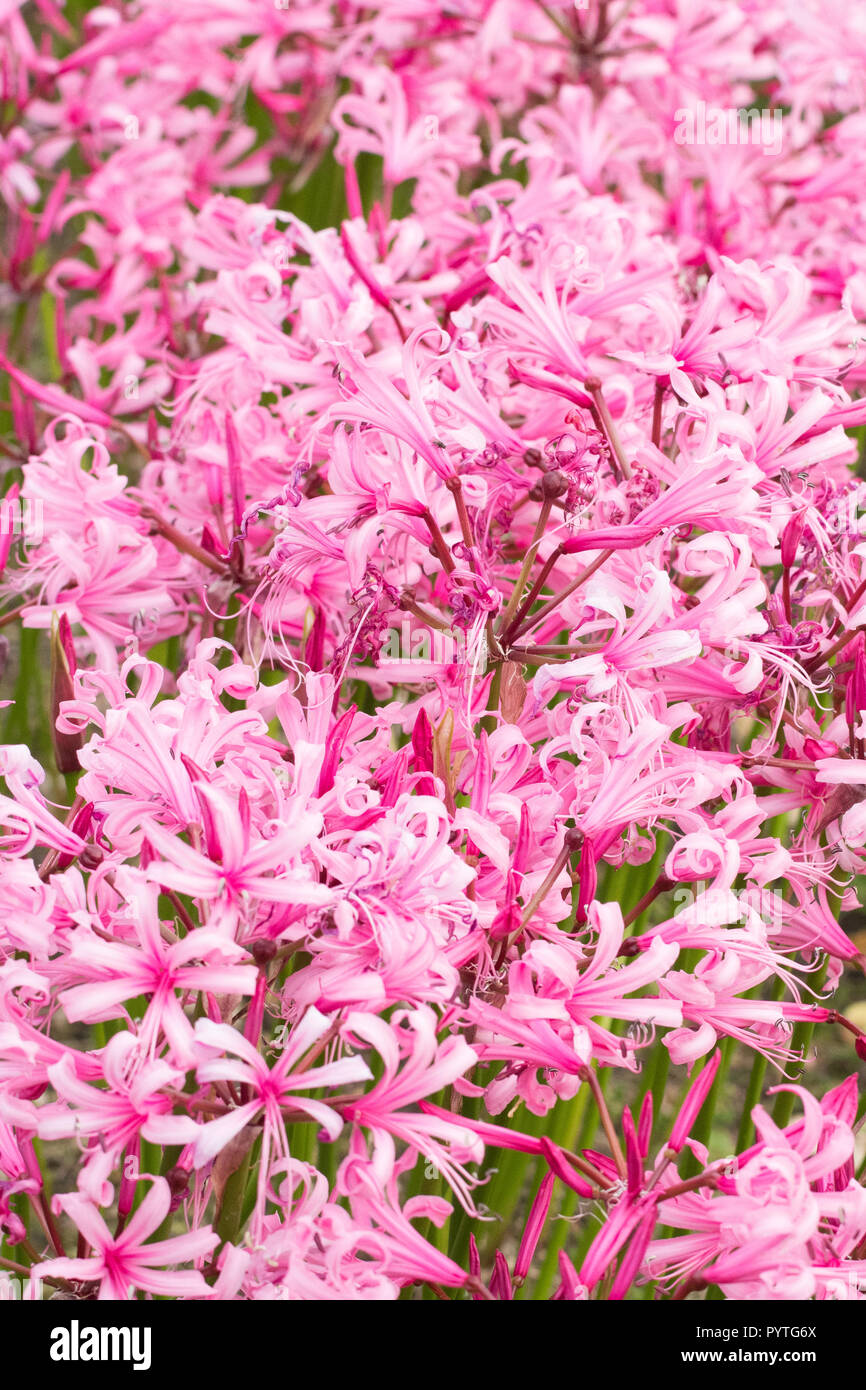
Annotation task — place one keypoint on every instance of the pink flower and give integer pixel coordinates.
(133, 1102)
(427, 1069)
(122, 1264)
(272, 1087)
(458, 587)
(118, 971)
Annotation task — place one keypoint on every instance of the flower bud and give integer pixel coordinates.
(66, 746)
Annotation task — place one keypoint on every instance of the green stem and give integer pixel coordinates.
(800, 1042)
(746, 1131)
(229, 1224)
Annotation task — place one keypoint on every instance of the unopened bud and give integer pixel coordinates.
(815, 748)
(178, 1180)
(66, 746)
(789, 540)
(554, 484)
(263, 952)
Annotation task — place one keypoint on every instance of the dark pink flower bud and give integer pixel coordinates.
(691, 1106)
(534, 1226)
(500, 1285)
(855, 689)
(634, 1164)
(789, 541)
(815, 748)
(560, 1165)
(66, 745)
(645, 1124)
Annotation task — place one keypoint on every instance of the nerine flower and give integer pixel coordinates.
(121, 1265)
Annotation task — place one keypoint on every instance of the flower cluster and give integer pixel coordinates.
(450, 559)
